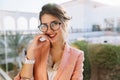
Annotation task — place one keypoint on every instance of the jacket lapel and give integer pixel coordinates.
(63, 62)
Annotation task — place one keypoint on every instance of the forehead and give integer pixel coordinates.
(47, 18)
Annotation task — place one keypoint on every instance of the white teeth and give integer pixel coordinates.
(42, 39)
(51, 35)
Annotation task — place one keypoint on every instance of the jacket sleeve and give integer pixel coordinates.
(78, 71)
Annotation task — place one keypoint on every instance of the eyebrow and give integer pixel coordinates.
(51, 21)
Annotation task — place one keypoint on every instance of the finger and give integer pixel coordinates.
(41, 38)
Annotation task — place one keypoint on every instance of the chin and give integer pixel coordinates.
(55, 41)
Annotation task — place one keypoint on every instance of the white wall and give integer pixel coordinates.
(76, 11)
(85, 14)
(106, 12)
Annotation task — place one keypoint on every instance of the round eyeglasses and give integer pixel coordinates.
(55, 25)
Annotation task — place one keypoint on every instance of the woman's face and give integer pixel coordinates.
(55, 36)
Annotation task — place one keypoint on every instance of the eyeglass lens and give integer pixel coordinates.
(53, 25)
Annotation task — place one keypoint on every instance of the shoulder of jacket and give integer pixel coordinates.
(76, 51)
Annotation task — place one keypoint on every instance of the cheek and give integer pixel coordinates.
(62, 34)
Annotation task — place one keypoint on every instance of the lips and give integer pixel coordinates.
(51, 35)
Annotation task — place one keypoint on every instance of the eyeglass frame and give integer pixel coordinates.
(58, 23)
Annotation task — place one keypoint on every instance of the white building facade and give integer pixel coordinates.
(86, 13)
(17, 21)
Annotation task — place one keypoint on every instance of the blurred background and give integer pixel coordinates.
(94, 28)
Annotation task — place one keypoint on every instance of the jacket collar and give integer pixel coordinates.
(66, 54)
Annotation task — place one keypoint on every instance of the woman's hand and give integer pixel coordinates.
(37, 50)
(37, 47)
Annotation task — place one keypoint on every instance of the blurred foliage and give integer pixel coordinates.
(10, 65)
(2, 45)
(105, 57)
(15, 43)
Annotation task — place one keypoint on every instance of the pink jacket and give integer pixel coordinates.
(70, 68)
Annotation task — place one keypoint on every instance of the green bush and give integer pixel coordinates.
(104, 55)
(118, 54)
(104, 59)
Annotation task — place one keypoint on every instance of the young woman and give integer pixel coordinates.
(49, 57)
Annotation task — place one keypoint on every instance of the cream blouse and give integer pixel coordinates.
(52, 68)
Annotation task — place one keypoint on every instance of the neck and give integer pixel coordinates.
(57, 51)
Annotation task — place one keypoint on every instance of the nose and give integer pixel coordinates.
(49, 30)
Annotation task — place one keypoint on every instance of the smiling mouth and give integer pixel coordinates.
(51, 35)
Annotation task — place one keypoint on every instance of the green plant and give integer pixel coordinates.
(15, 42)
(104, 59)
(105, 56)
(2, 47)
(10, 65)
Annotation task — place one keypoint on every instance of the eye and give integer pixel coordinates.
(43, 27)
(54, 23)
